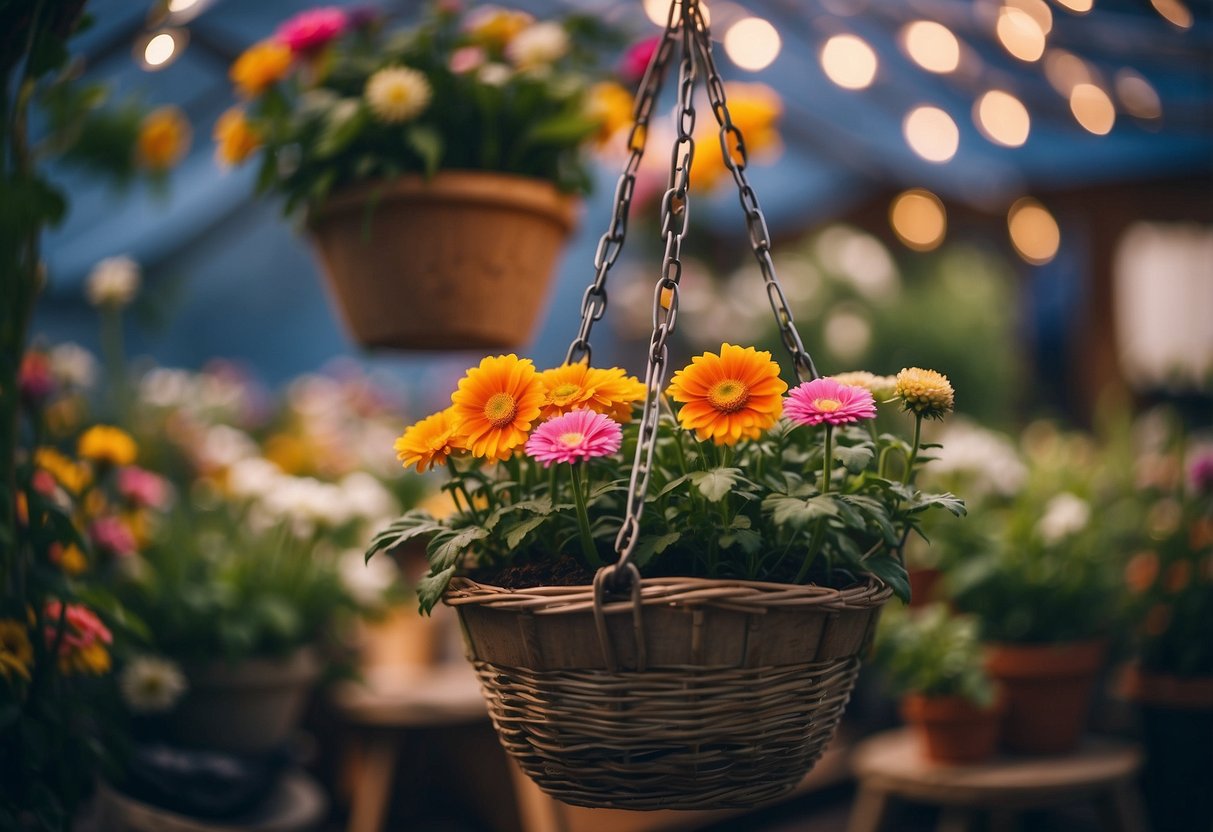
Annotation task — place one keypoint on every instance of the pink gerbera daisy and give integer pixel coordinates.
(581, 434)
(825, 400)
(309, 30)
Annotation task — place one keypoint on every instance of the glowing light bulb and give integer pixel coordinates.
(918, 219)
(931, 45)
(1034, 232)
(658, 10)
(159, 49)
(1175, 12)
(1138, 97)
(1038, 10)
(1092, 108)
(1066, 70)
(931, 133)
(1077, 6)
(752, 43)
(1020, 33)
(1002, 118)
(849, 62)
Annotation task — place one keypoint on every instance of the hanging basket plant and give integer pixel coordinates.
(666, 590)
(436, 167)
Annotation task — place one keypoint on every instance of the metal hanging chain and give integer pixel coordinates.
(731, 141)
(675, 212)
(610, 245)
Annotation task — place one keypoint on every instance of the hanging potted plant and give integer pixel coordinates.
(1170, 680)
(1044, 590)
(436, 166)
(933, 660)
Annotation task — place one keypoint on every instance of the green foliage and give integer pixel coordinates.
(933, 653)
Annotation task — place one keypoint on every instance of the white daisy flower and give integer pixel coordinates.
(397, 94)
(113, 282)
(150, 684)
(538, 45)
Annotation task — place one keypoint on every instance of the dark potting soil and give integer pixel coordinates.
(564, 572)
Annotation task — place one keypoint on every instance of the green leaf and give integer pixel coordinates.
(748, 540)
(795, 512)
(672, 484)
(518, 532)
(854, 459)
(890, 570)
(446, 547)
(413, 524)
(716, 483)
(427, 143)
(431, 587)
(650, 546)
(346, 120)
(563, 129)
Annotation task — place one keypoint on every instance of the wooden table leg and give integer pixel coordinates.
(871, 808)
(372, 790)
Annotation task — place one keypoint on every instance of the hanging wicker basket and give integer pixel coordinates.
(462, 260)
(693, 693)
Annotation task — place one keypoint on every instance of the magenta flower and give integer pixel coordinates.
(825, 400)
(636, 59)
(312, 29)
(1201, 474)
(581, 434)
(34, 379)
(142, 488)
(109, 534)
(82, 628)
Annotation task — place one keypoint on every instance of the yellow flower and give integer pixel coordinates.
(572, 386)
(881, 387)
(925, 392)
(106, 444)
(164, 138)
(429, 442)
(397, 94)
(610, 104)
(495, 405)
(236, 138)
(91, 660)
(71, 475)
(755, 110)
(16, 652)
(260, 66)
(726, 397)
(291, 454)
(70, 559)
(495, 27)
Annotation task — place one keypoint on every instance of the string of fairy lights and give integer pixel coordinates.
(1003, 117)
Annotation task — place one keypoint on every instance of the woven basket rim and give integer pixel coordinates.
(733, 594)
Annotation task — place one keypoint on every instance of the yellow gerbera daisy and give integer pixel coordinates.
(429, 442)
(495, 405)
(726, 397)
(925, 392)
(164, 138)
(615, 392)
(16, 652)
(107, 444)
(571, 387)
(235, 138)
(260, 66)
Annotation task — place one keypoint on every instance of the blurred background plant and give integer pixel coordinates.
(932, 652)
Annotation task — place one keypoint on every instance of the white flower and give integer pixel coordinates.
(495, 75)
(367, 499)
(150, 684)
(1065, 514)
(164, 387)
(538, 45)
(113, 282)
(224, 445)
(397, 94)
(73, 366)
(366, 581)
(987, 460)
(252, 478)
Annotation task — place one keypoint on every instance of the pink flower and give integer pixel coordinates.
(636, 59)
(111, 535)
(312, 29)
(34, 379)
(1201, 474)
(82, 628)
(466, 59)
(581, 434)
(142, 488)
(825, 400)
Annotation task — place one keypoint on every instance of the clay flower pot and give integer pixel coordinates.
(247, 707)
(1048, 691)
(952, 729)
(462, 260)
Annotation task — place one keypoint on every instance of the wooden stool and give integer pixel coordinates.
(892, 765)
(392, 701)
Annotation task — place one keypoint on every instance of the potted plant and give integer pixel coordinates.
(1170, 602)
(436, 164)
(933, 660)
(768, 546)
(1043, 585)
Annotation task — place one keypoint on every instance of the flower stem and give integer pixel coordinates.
(583, 520)
(827, 465)
(905, 479)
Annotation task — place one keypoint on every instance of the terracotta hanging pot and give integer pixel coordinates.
(952, 729)
(462, 260)
(1048, 691)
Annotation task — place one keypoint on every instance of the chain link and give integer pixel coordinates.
(594, 301)
(732, 147)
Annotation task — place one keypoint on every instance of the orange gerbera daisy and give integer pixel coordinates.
(729, 396)
(495, 405)
(571, 387)
(429, 442)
